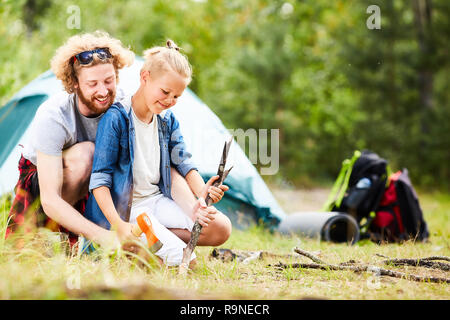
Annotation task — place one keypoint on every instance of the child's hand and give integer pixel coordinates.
(204, 214)
(127, 237)
(215, 193)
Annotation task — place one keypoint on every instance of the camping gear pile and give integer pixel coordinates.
(367, 201)
(384, 204)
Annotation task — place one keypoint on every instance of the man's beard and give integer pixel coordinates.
(92, 105)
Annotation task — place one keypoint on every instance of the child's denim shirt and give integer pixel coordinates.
(114, 155)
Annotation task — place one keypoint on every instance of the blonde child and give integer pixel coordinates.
(138, 143)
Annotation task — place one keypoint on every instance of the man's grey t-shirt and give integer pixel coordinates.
(58, 125)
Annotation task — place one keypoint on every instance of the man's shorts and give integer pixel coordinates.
(164, 213)
(26, 208)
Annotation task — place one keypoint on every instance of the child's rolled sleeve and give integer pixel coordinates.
(107, 144)
(185, 167)
(100, 179)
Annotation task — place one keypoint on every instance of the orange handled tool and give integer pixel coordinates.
(144, 225)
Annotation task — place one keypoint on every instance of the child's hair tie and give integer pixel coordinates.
(171, 45)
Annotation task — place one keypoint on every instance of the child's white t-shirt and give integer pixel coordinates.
(146, 173)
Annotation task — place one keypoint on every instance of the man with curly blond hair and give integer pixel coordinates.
(56, 162)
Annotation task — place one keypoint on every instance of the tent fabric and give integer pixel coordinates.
(249, 200)
(20, 113)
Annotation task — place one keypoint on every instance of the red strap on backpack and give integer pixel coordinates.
(390, 199)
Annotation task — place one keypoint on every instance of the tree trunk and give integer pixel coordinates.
(422, 17)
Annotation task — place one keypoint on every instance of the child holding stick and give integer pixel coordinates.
(137, 144)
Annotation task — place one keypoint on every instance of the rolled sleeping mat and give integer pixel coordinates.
(329, 226)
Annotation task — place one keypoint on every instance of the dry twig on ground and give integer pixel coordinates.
(428, 262)
(320, 264)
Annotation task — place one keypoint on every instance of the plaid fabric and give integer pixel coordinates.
(26, 210)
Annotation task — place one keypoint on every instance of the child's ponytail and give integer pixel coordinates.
(160, 59)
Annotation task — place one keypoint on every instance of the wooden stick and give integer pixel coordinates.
(420, 262)
(365, 268)
(444, 258)
(195, 234)
(438, 258)
(197, 228)
(368, 268)
(309, 255)
(187, 252)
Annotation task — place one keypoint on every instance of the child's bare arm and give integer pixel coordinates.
(202, 189)
(104, 200)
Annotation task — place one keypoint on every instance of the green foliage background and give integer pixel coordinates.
(311, 68)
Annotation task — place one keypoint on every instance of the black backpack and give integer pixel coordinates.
(385, 205)
(398, 216)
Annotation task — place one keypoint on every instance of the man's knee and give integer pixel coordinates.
(78, 159)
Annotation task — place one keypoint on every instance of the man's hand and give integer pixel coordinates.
(110, 241)
(124, 232)
(127, 238)
(215, 193)
(203, 213)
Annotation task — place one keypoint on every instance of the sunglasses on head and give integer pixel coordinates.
(86, 57)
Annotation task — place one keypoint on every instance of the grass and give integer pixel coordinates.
(47, 272)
